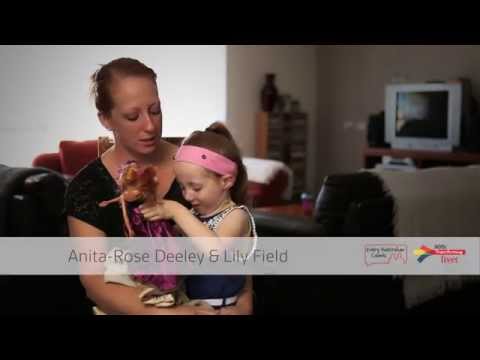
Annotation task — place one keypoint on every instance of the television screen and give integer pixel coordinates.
(422, 114)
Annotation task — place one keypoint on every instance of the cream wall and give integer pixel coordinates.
(296, 70)
(339, 86)
(351, 82)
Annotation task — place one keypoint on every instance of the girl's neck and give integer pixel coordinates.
(225, 204)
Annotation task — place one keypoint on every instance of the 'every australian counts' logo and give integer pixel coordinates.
(385, 254)
(447, 256)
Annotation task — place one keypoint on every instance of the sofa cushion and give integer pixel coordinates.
(74, 155)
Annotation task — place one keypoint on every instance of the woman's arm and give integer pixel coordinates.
(115, 298)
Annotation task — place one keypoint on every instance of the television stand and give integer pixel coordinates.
(421, 158)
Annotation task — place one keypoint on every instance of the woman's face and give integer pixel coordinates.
(136, 117)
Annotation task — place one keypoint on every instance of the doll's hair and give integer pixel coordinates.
(143, 179)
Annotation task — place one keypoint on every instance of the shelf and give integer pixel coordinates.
(422, 158)
(283, 137)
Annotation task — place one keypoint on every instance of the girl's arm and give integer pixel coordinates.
(235, 224)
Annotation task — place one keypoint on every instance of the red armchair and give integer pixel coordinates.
(270, 182)
(270, 194)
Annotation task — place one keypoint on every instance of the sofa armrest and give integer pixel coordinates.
(282, 225)
(50, 161)
(38, 208)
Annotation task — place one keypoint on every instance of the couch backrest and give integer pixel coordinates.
(74, 155)
(440, 201)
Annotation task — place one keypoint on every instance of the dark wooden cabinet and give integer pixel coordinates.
(283, 136)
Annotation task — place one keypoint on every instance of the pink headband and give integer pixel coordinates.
(207, 159)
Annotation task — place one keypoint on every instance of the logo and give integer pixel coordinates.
(447, 256)
(385, 254)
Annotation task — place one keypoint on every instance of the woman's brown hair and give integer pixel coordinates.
(103, 79)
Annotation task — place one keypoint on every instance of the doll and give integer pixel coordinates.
(137, 186)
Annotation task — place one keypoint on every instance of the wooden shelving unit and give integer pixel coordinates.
(283, 137)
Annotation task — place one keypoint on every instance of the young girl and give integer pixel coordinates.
(213, 179)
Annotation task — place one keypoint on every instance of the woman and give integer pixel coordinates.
(128, 104)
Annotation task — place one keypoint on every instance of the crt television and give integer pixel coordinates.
(423, 116)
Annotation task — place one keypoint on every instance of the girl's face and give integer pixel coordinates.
(203, 189)
(136, 117)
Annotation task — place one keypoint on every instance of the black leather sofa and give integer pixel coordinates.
(31, 204)
(348, 205)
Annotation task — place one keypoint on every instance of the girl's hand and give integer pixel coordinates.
(162, 210)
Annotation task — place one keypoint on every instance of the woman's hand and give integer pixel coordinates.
(194, 310)
(244, 305)
(180, 310)
(162, 210)
(235, 310)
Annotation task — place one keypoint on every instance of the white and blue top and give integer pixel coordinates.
(221, 289)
